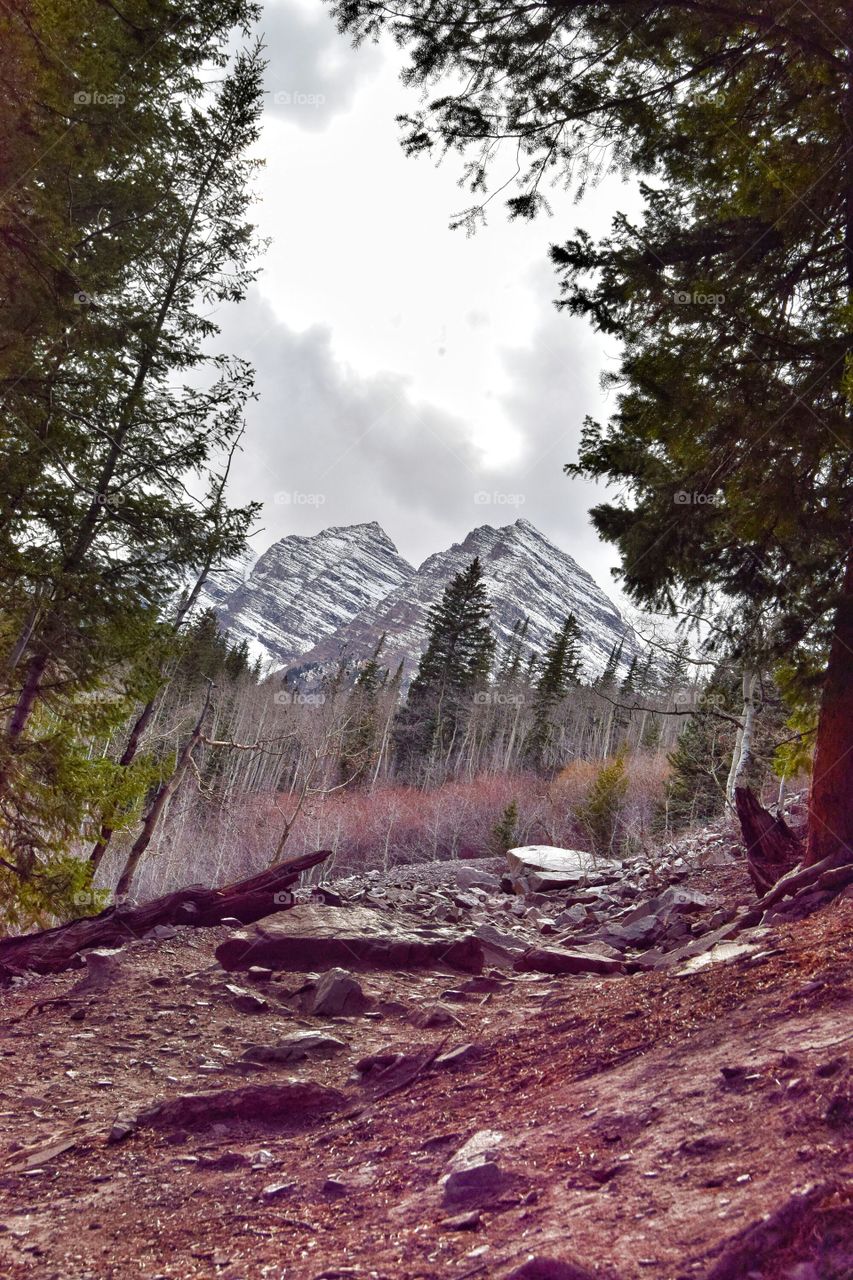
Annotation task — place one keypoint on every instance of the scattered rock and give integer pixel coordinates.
(437, 1015)
(499, 948)
(465, 1055)
(715, 954)
(337, 994)
(276, 1190)
(474, 1176)
(293, 1048)
(257, 973)
(252, 1102)
(102, 970)
(558, 960)
(462, 1221)
(162, 932)
(246, 1001)
(482, 1182)
(540, 1268)
(471, 878)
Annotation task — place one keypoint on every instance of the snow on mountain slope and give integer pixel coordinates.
(305, 588)
(525, 575)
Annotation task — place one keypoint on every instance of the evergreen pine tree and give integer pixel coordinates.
(561, 666)
(456, 661)
(511, 664)
(359, 744)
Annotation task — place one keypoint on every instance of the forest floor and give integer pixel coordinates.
(642, 1124)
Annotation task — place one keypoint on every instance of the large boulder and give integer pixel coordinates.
(542, 868)
(316, 937)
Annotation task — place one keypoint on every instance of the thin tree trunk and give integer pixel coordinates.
(164, 791)
(743, 742)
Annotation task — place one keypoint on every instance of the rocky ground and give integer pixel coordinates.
(598, 1088)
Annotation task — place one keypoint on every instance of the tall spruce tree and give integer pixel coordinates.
(455, 663)
(360, 740)
(126, 183)
(561, 668)
(732, 294)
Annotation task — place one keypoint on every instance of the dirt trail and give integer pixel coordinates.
(645, 1121)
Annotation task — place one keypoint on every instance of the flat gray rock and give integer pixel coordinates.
(318, 937)
(560, 960)
(293, 1048)
(542, 868)
(282, 1101)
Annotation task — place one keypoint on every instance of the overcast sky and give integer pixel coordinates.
(407, 373)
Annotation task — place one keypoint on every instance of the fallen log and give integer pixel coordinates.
(772, 848)
(52, 950)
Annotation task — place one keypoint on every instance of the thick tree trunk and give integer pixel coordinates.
(772, 848)
(244, 900)
(831, 800)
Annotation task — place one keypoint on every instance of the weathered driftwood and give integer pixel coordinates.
(772, 848)
(824, 875)
(53, 950)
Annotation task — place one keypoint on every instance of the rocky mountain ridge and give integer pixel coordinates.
(303, 588)
(308, 602)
